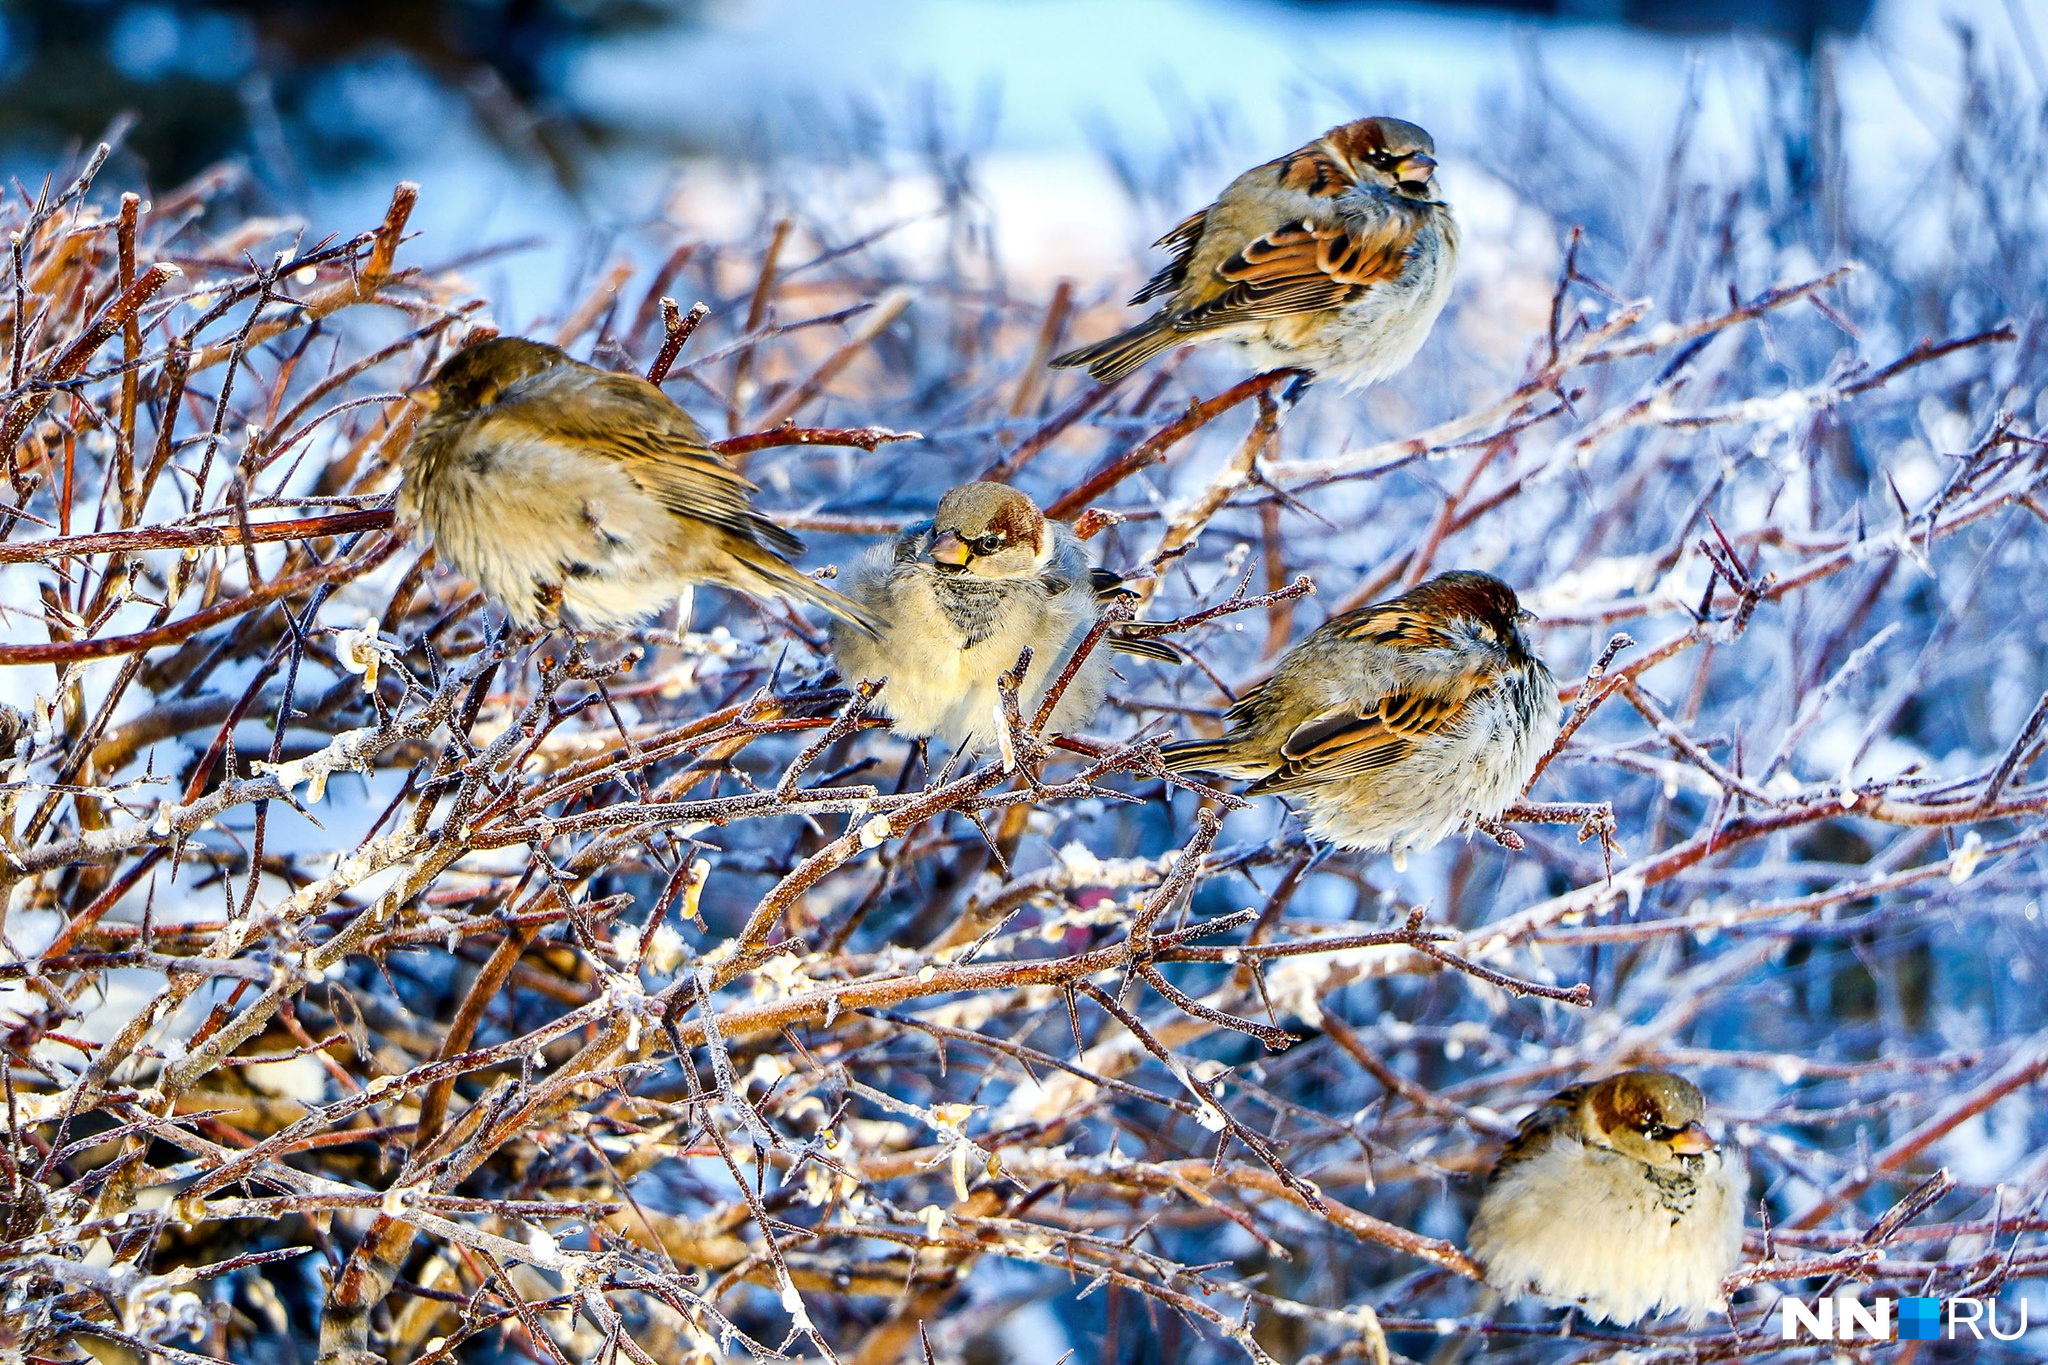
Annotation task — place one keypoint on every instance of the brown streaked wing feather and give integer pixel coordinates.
(1416, 714)
(1179, 243)
(1334, 746)
(664, 450)
(1351, 743)
(1181, 237)
(1542, 1123)
(1303, 268)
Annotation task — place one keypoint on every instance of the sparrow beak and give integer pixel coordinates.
(425, 397)
(1693, 1140)
(1416, 167)
(950, 550)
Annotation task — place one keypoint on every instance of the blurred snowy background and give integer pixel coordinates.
(565, 117)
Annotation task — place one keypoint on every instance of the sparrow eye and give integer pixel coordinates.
(1381, 161)
(1660, 1132)
(986, 545)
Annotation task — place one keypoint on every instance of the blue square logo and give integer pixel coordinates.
(1919, 1319)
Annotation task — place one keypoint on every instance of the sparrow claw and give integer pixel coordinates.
(1296, 389)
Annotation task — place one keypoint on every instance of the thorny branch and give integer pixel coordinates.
(645, 1001)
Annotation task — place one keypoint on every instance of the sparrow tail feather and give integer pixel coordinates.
(1141, 647)
(767, 575)
(1109, 361)
(807, 589)
(1196, 755)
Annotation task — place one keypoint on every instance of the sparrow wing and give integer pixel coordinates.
(1534, 1133)
(1107, 583)
(1354, 741)
(1304, 267)
(1371, 733)
(1180, 244)
(624, 418)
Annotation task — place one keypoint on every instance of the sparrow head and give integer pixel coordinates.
(1479, 603)
(987, 530)
(472, 378)
(1387, 153)
(1652, 1116)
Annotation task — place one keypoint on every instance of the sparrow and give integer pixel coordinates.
(964, 594)
(1397, 723)
(575, 495)
(1335, 259)
(1614, 1197)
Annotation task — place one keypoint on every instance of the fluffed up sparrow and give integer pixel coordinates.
(964, 594)
(1614, 1197)
(1394, 724)
(1335, 259)
(569, 492)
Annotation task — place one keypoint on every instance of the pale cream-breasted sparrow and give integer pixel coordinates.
(1614, 1197)
(964, 594)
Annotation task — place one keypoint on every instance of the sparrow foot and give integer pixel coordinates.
(1296, 387)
